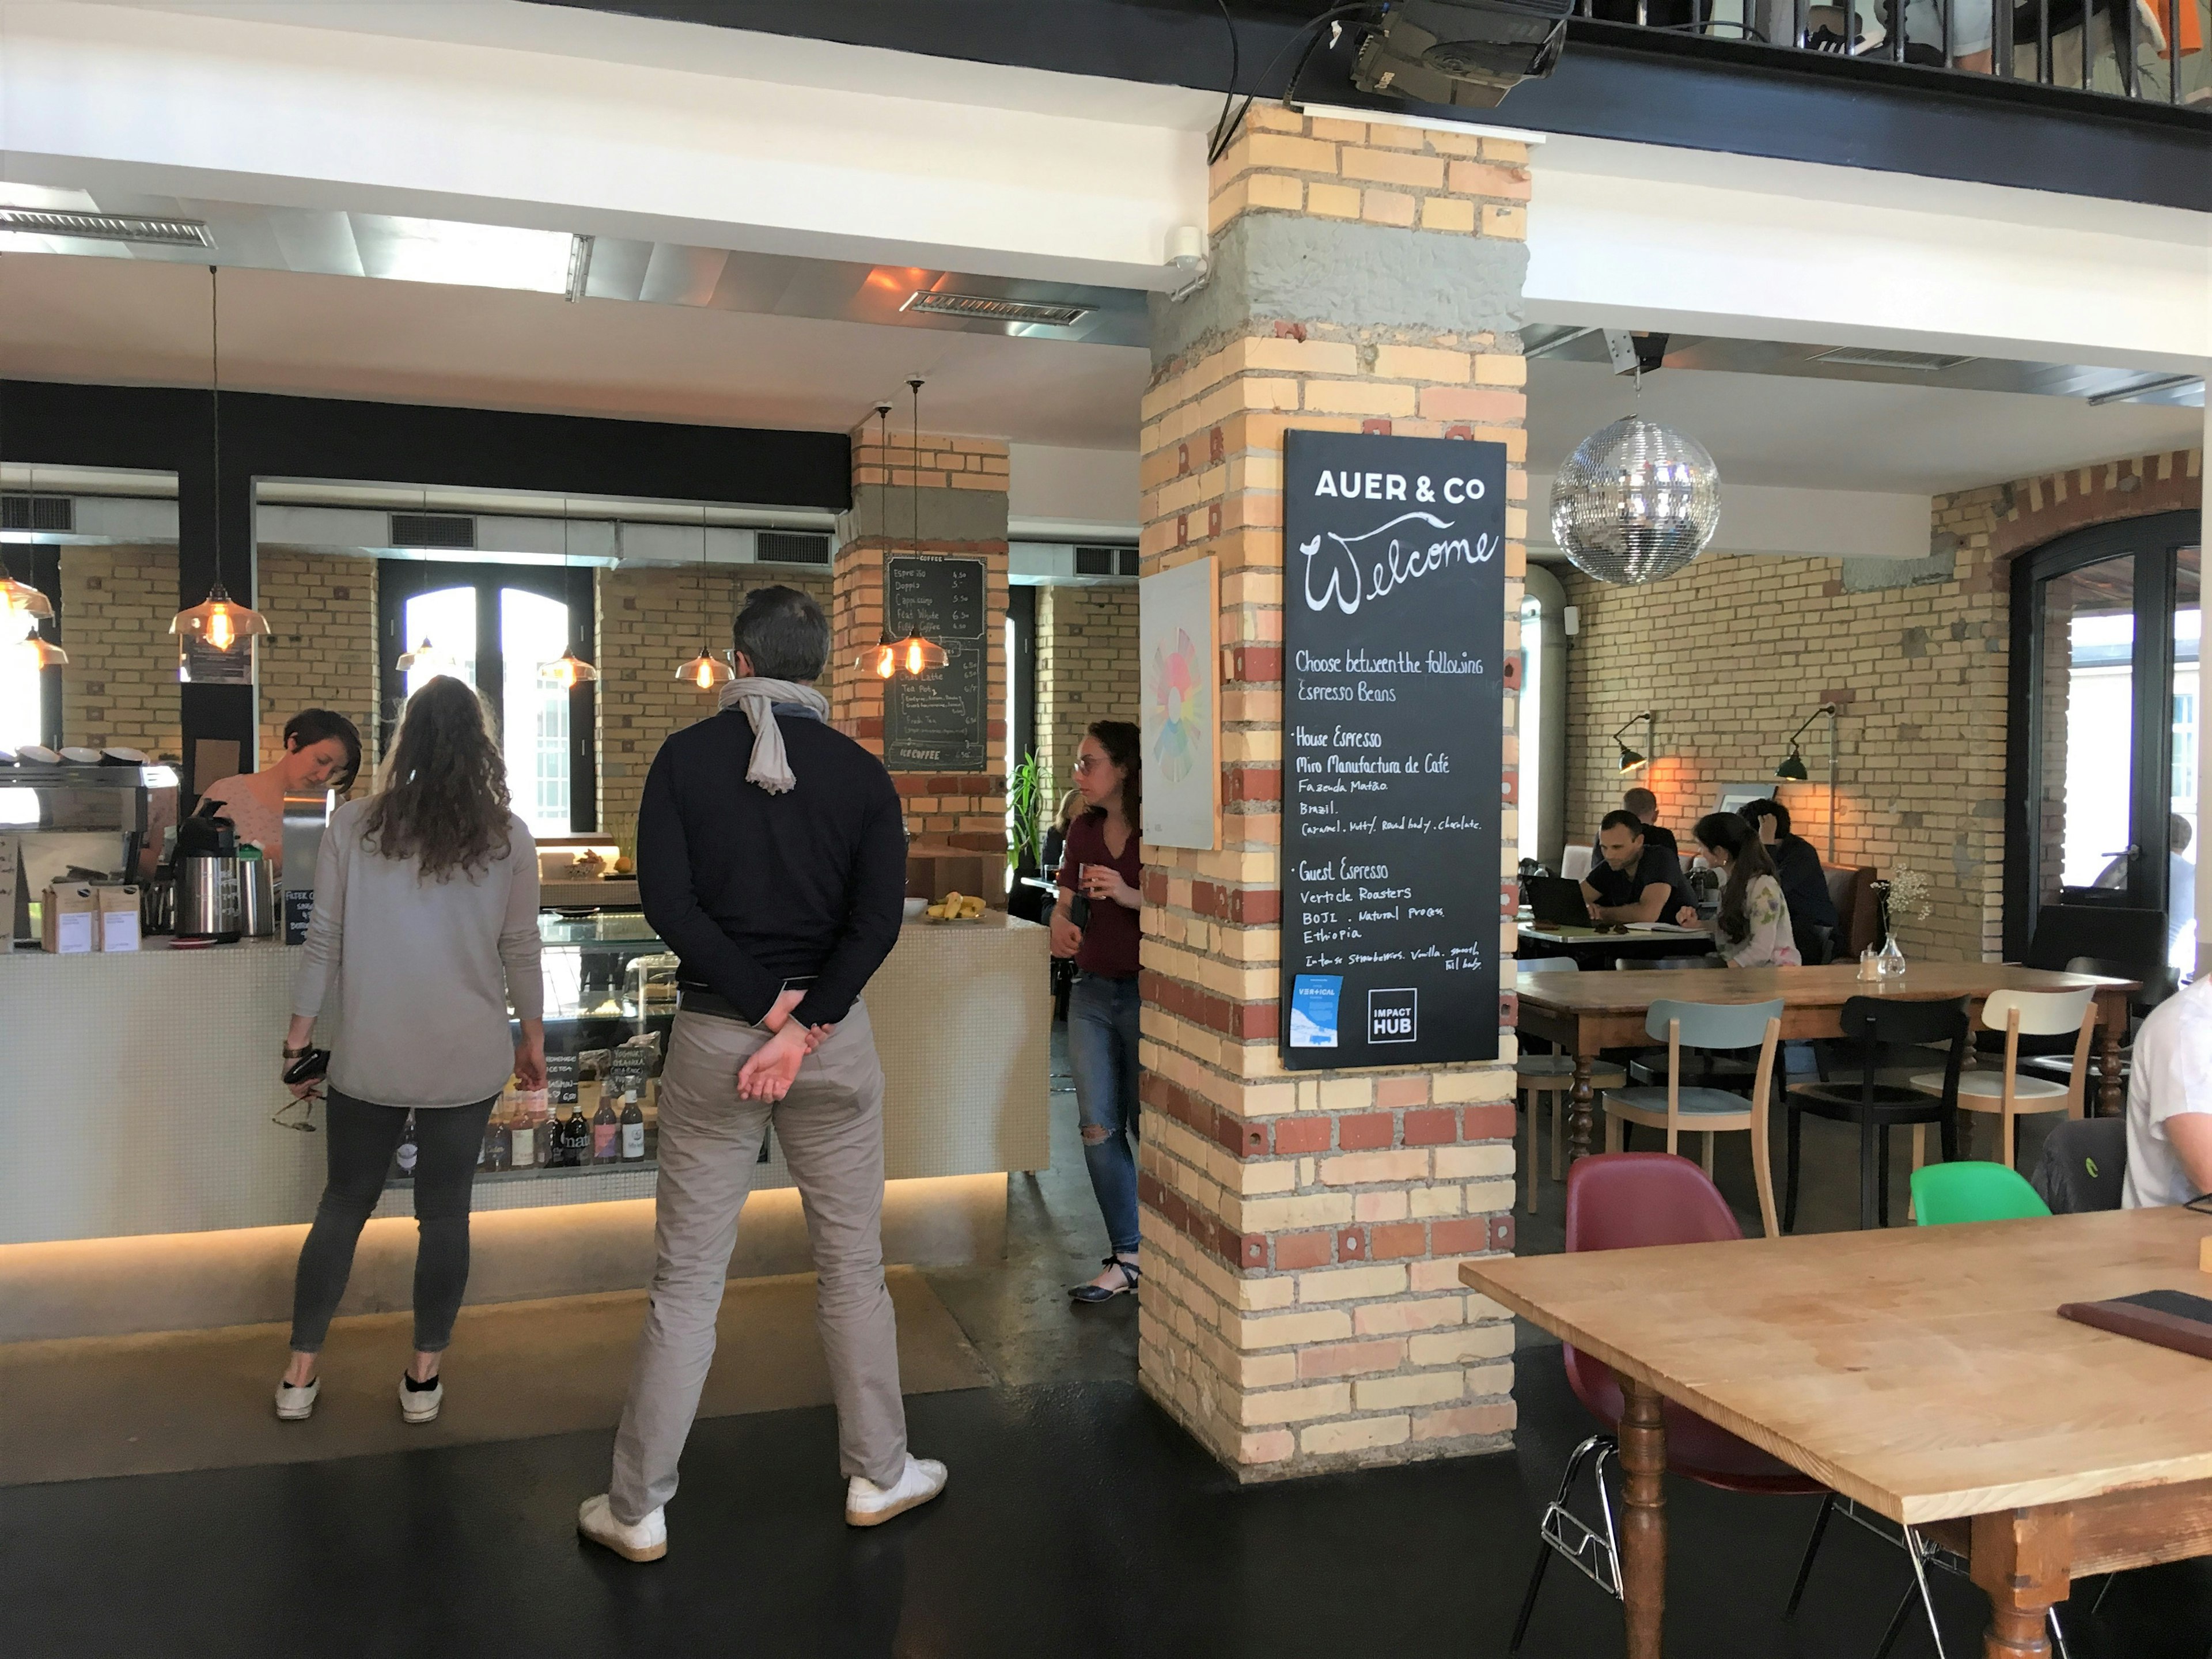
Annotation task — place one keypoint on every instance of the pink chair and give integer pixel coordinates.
(1621, 1200)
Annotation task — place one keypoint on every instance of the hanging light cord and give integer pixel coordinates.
(915, 384)
(215, 406)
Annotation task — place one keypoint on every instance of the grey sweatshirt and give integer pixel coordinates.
(423, 969)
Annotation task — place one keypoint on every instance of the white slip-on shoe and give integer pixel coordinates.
(867, 1504)
(296, 1403)
(646, 1541)
(421, 1405)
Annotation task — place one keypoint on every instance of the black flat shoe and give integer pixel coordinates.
(1089, 1294)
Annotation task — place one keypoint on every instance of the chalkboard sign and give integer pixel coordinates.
(561, 1080)
(1394, 642)
(935, 723)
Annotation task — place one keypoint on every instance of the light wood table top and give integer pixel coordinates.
(1831, 986)
(1922, 1371)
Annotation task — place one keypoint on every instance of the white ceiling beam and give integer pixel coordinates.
(1803, 523)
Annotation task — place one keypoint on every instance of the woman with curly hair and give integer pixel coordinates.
(426, 896)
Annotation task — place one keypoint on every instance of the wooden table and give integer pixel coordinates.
(1593, 949)
(1584, 1012)
(1922, 1371)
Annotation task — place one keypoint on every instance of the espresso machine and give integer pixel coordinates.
(80, 823)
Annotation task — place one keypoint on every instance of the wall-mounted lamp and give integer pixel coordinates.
(1630, 760)
(1792, 770)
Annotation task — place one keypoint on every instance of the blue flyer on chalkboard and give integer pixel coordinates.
(1313, 998)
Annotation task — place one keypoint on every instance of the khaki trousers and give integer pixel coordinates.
(831, 1128)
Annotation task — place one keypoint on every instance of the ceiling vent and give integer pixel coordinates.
(442, 530)
(985, 309)
(791, 547)
(106, 227)
(1919, 362)
(53, 514)
(1105, 561)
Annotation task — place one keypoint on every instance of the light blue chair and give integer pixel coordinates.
(1680, 1108)
(1551, 1077)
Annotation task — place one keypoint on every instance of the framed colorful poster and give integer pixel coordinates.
(1178, 622)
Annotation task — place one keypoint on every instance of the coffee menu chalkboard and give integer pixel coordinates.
(935, 723)
(1394, 605)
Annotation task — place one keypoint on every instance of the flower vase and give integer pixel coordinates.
(1890, 965)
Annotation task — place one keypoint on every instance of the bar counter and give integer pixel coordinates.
(140, 1087)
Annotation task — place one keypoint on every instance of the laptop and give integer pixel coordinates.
(1558, 901)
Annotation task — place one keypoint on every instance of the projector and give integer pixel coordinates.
(1465, 53)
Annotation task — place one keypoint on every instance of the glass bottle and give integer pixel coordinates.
(576, 1139)
(633, 1129)
(521, 1132)
(606, 1127)
(407, 1149)
(499, 1147)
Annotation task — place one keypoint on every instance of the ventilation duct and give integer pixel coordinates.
(106, 227)
(791, 547)
(984, 308)
(53, 514)
(1923, 363)
(441, 531)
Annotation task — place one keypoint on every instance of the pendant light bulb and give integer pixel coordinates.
(706, 672)
(45, 652)
(881, 658)
(569, 670)
(21, 600)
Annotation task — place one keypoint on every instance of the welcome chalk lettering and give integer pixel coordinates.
(1396, 564)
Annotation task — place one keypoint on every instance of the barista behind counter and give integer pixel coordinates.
(322, 750)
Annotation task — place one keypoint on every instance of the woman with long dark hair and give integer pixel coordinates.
(1752, 928)
(1103, 867)
(426, 895)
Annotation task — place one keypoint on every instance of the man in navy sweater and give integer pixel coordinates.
(771, 857)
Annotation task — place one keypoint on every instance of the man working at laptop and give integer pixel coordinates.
(1634, 880)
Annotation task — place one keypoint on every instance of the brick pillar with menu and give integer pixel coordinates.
(1302, 1308)
(957, 488)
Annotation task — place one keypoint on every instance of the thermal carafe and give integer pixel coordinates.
(256, 899)
(210, 902)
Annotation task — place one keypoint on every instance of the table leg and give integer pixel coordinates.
(1644, 1523)
(2111, 1102)
(2021, 1558)
(1581, 1113)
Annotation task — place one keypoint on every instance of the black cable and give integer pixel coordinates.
(1220, 141)
(1223, 136)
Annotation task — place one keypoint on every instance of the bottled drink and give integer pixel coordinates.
(521, 1127)
(576, 1139)
(557, 1140)
(499, 1148)
(633, 1129)
(606, 1129)
(407, 1147)
(542, 1128)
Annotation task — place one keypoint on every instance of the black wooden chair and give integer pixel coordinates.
(1872, 1027)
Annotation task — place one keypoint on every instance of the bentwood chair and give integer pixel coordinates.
(1871, 1027)
(1551, 1077)
(1678, 1108)
(2007, 1091)
(1621, 1200)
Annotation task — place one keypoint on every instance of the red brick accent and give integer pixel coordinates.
(1400, 1238)
(1501, 1231)
(1512, 673)
(1290, 331)
(1377, 427)
(1509, 787)
(1207, 1231)
(2104, 501)
(1391, 1092)
(1302, 1134)
(1252, 783)
(1491, 1122)
(1351, 1358)
(1257, 664)
(1305, 1250)
(1363, 1131)
(1245, 906)
(1464, 1237)
(1351, 1243)
(1431, 1128)
(1509, 1010)
(1509, 900)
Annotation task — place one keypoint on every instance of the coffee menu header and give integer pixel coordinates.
(1394, 631)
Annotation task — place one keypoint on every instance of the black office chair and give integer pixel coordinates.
(1873, 1026)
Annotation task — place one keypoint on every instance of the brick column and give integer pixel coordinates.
(1303, 1309)
(959, 486)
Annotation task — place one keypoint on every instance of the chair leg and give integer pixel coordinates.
(1789, 1174)
(1881, 1177)
(1918, 1553)
(1866, 1174)
(1812, 1549)
(1534, 1099)
(1896, 1624)
(1616, 1130)
(2006, 1157)
(1919, 1162)
(1762, 1176)
(1529, 1599)
(1563, 1531)
(1709, 1154)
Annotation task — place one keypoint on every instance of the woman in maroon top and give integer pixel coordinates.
(1099, 873)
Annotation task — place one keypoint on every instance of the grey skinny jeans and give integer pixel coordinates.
(359, 1139)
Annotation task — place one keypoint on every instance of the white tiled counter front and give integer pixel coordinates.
(136, 1088)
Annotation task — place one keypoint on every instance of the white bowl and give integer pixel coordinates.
(914, 908)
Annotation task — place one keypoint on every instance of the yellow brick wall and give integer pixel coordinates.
(1303, 1232)
(320, 651)
(650, 622)
(1086, 671)
(119, 687)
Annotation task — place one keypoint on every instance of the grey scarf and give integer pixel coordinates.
(760, 699)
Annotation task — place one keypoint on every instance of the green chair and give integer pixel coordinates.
(1945, 1192)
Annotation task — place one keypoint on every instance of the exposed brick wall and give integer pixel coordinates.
(650, 622)
(1086, 671)
(1303, 1309)
(1735, 651)
(966, 809)
(120, 685)
(320, 652)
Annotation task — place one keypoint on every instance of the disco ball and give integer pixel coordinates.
(1635, 502)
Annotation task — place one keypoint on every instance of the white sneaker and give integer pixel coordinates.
(421, 1405)
(867, 1504)
(646, 1541)
(296, 1403)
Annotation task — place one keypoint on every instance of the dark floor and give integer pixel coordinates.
(1079, 1521)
